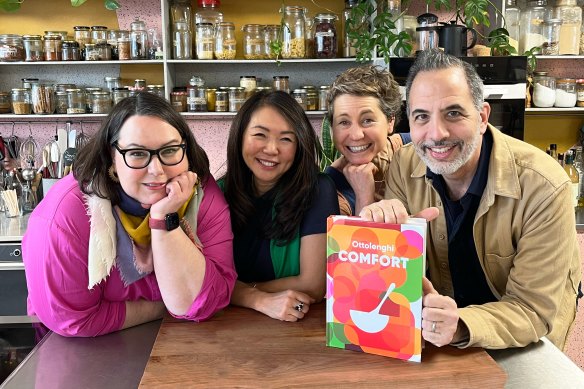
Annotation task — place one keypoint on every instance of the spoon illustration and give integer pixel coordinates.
(373, 321)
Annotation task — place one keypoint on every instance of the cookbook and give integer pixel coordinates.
(374, 286)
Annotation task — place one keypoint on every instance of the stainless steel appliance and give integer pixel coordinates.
(13, 292)
(505, 84)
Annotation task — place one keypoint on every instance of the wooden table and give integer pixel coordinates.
(243, 348)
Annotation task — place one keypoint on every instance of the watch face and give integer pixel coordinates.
(172, 221)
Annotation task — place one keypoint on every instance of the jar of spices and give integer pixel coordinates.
(580, 92)
(551, 37)
(89, 98)
(112, 82)
(249, 83)
(91, 53)
(104, 51)
(253, 41)
(21, 101)
(293, 45)
(178, 99)
(544, 90)
(119, 93)
(205, 41)
(271, 40)
(33, 48)
(211, 95)
(98, 33)
(52, 47)
(196, 95)
(11, 48)
(225, 43)
(101, 102)
(311, 100)
(82, 35)
(138, 40)
(322, 97)
(70, 51)
(221, 101)
(565, 93)
(236, 98)
(570, 14)
(61, 102)
(124, 49)
(281, 83)
(325, 35)
(300, 97)
(76, 101)
(156, 89)
(43, 99)
(4, 102)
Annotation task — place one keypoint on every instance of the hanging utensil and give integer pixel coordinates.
(82, 139)
(62, 142)
(28, 151)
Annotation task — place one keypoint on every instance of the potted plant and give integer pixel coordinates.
(14, 5)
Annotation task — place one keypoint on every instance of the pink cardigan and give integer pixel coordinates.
(55, 249)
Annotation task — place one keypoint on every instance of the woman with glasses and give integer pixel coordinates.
(279, 205)
(140, 228)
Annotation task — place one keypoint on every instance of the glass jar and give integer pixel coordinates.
(182, 41)
(570, 14)
(236, 98)
(119, 93)
(249, 83)
(178, 99)
(139, 84)
(293, 45)
(271, 38)
(112, 82)
(61, 102)
(156, 89)
(208, 12)
(33, 48)
(21, 101)
(29, 82)
(221, 101)
(196, 95)
(11, 48)
(300, 97)
(89, 98)
(582, 40)
(101, 102)
(43, 99)
(124, 49)
(311, 101)
(253, 41)
(544, 90)
(531, 26)
(82, 35)
(512, 15)
(580, 92)
(205, 41)
(309, 37)
(551, 37)
(225, 43)
(211, 94)
(64, 87)
(4, 102)
(70, 51)
(76, 101)
(91, 53)
(98, 33)
(104, 51)
(281, 83)
(325, 36)
(322, 97)
(565, 93)
(62, 34)
(138, 40)
(52, 47)
(112, 40)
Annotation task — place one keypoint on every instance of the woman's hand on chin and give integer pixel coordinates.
(178, 191)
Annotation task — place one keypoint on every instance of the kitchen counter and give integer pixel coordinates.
(12, 228)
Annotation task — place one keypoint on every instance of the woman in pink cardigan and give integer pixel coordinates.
(140, 228)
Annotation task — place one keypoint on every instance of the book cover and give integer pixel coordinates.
(374, 286)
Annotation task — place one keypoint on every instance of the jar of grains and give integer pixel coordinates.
(21, 101)
(236, 98)
(281, 83)
(225, 43)
(253, 41)
(11, 48)
(325, 35)
(4, 102)
(205, 41)
(293, 45)
(76, 101)
(124, 49)
(101, 102)
(221, 101)
(551, 37)
(580, 92)
(33, 48)
(565, 93)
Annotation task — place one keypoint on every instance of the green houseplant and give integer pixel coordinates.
(14, 5)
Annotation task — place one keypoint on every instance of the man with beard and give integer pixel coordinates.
(503, 261)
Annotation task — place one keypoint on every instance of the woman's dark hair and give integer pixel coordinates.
(93, 161)
(295, 189)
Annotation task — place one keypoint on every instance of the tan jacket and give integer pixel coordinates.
(525, 236)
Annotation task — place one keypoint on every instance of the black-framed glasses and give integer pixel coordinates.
(140, 158)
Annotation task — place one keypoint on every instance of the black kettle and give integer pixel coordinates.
(453, 38)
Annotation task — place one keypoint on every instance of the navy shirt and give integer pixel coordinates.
(468, 279)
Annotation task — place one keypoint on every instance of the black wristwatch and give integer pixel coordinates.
(170, 222)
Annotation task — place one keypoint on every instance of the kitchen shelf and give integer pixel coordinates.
(40, 118)
(83, 63)
(554, 57)
(259, 61)
(555, 111)
(229, 115)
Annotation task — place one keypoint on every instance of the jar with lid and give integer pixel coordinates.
(281, 83)
(98, 33)
(154, 45)
(76, 101)
(322, 97)
(182, 41)
(236, 98)
(119, 93)
(196, 95)
(82, 35)
(11, 48)
(544, 90)
(139, 84)
(580, 92)
(104, 51)
(249, 83)
(208, 12)
(4, 102)
(29, 82)
(531, 26)
(52, 47)
(156, 89)
(300, 97)
(91, 53)
(325, 35)
(89, 98)
(112, 40)
(33, 48)
(512, 15)
(293, 45)
(61, 102)
(205, 41)
(211, 94)
(565, 93)
(271, 38)
(551, 37)
(225, 43)
(43, 99)
(221, 101)
(311, 100)
(112, 82)
(70, 50)
(178, 100)
(253, 41)
(570, 14)
(21, 101)
(124, 49)
(64, 87)
(101, 102)
(138, 40)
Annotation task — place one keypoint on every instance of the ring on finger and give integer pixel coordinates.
(299, 307)
(433, 329)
